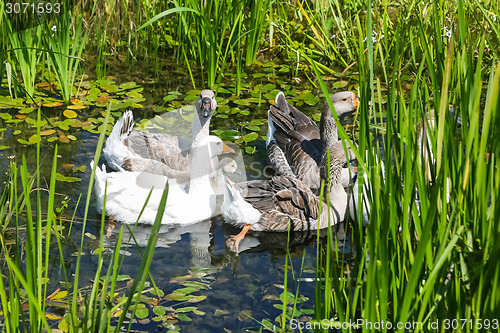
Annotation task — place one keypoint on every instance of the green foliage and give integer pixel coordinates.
(421, 260)
(25, 293)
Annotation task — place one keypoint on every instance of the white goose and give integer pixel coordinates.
(127, 191)
(294, 142)
(161, 154)
(271, 205)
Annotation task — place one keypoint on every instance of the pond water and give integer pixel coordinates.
(250, 281)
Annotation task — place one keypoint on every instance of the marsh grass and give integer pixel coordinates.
(66, 42)
(28, 281)
(429, 259)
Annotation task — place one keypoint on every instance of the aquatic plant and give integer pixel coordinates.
(418, 258)
(65, 44)
(28, 296)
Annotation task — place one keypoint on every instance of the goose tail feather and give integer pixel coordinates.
(115, 150)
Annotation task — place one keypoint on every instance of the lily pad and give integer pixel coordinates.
(194, 92)
(250, 150)
(229, 135)
(268, 87)
(63, 178)
(76, 107)
(134, 94)
(242, 102)
(250, 137)
(62, 137)
(128, 85)
(70, 114)
(339, 84)
(142, 313)
(48, 132)
(159, 310)
(102, 99)
(258, 75)
(34, 139)
(26, 110)
(81, 124)
(253, 128)
(183, 317)
(52, 104)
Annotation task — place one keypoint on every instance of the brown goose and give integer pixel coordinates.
(270, 205)
(295, 143)
(161, 154)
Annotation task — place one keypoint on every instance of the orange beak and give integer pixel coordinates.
(355, 100)
(226, 149)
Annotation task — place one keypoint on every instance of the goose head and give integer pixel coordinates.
(206, 104)
(229, 165)
(208, 148)
(344, 102)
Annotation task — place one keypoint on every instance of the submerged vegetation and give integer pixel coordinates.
(429, 254)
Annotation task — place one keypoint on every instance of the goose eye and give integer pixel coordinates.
(345, 99)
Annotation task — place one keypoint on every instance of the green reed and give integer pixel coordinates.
(435, 259)
(29, 281)
(66, 41)
(23, 54)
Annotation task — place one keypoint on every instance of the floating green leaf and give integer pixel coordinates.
(194, 92)
(250, 137)
(196, 299)
(62, 178)
(258, 75)
(26, 110)
(229, 135)
(339, 84)
(128, 85)
(183, 317)
(159, 310)
(35, 138)
(186, 309)
(253, 128)
(268, 87)
(48, 132)
(70, 114)
(242, 102)
(219, 312)
(142, 313)
(194, 284)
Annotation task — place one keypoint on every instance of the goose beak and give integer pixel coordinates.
(206, 106)
(226, 149)
(355, 100)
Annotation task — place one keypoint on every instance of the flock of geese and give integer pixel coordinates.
(301, 153)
